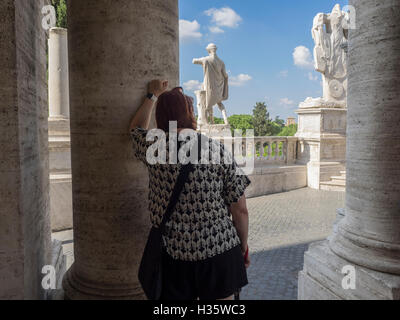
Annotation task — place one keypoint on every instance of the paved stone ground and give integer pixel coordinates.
(281, 227)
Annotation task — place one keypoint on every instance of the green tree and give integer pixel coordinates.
(280, 122)
(275, 128)
(261, 121)
(218, 120)
(288, 131)
(237, 121)
(241, 122)
(61, 12)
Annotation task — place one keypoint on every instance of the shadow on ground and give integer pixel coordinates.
(273, 274)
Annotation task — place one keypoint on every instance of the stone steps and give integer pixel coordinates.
(332, 186)
(339, 179)
(337, 183)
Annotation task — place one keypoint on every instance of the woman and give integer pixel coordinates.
(205, 251)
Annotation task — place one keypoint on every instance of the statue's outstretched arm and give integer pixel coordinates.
(198, 61)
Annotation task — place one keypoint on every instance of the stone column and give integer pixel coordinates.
(371, 227)
(25, 245)
(115, 48)
(368, 237)
(58, 73)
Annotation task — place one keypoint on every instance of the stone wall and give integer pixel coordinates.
(275, 179)
(24, 184)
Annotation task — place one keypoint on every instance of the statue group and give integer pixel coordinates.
(215, 87)
(322, 122)
(330, 35)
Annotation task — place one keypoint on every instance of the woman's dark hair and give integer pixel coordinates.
(174, 105)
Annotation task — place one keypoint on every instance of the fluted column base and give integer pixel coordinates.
(369, 253)
(321, 278)
(75, 288)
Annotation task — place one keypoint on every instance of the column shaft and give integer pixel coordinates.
(115, 48)
(369, 235)
(58, 73)
(24, 175)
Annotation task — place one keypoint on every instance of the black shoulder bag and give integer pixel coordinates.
(150, 270)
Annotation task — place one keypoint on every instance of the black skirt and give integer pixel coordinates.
(215, 278)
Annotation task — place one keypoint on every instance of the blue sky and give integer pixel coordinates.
(256, 39)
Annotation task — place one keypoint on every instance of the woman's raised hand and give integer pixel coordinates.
(158, 87)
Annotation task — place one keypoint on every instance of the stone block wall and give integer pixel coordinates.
(275, 179)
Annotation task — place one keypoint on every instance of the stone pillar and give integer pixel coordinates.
(291, 150)
(368, 237)
(25, 245)
(115, 49)
(371, 227)
(59, 131)
(58, 73)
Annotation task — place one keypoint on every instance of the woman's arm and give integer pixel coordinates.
(240, 217)
(142, 117)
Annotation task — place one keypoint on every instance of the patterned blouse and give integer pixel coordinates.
(200, 226)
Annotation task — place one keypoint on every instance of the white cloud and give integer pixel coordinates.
(189, 30)
(240, 80)
(302, 57)
(312, 77)
(216, 29)
(283, 73)
(286, 102)
(224, 17)
(192, 85)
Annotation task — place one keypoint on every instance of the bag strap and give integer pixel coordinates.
(180, 183)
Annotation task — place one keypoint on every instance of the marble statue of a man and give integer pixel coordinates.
(330, 56)
(215, 86)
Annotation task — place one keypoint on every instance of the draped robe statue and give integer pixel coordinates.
(330, 55)
(214, 88)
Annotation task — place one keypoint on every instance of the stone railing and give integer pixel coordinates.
(275, 167)
(275, 150)
(269, 150)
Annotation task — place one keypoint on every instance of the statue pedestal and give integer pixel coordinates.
(322, 143)
(215, 130)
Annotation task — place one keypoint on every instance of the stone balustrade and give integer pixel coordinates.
(275, 150)
(267, 150)
(275, 167)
